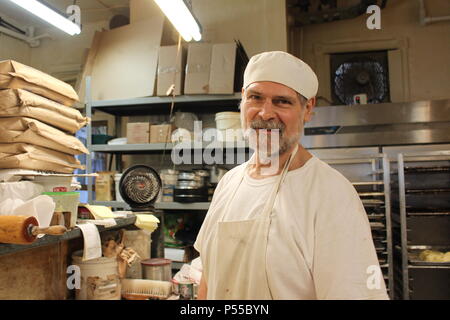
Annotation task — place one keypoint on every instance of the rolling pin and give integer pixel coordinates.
(24, 229)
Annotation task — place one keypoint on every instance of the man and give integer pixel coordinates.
(298, 232)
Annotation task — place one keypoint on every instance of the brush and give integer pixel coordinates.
(140, 289)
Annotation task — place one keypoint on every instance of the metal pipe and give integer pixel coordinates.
(32, 41)
(6, 24)
(424, 20)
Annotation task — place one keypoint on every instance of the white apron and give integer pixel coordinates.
(236, 268)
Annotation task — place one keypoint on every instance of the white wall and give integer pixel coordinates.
(259, 24)
(64, 50)
(11, 48)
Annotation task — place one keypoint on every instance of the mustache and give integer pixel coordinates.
(269, 125)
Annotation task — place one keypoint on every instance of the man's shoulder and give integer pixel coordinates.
(326, 175)
(329, 183)
(329, 172)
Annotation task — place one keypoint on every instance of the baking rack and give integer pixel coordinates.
(423, 222)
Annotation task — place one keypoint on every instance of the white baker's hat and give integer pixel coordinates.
(284, 68)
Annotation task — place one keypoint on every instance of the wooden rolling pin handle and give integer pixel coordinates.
(53, 230)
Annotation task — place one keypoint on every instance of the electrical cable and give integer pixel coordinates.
(172, 104)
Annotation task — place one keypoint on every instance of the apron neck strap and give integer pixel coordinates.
(269, 204)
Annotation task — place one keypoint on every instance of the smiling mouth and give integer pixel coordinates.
(268, 131)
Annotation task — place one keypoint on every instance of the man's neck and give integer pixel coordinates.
(260, 169)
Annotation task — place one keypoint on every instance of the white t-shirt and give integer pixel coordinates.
(320, 244)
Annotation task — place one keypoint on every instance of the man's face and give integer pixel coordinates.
(270, 105)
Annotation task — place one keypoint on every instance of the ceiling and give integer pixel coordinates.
(91, 10)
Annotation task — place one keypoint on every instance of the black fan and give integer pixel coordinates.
(361, 76)
(139, 187)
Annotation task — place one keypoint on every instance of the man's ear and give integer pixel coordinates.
(310, 104)
(242, 112)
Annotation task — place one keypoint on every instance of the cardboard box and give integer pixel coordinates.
(170, 67)
(104, 186)
(138, 132)
(144, 10)
(223, 65)
(161, 133)
(197, 68)
(126, 61)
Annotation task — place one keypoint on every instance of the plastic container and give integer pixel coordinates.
(101, 138)
(157, 269)
(229, 124)
(169, 177)
(117, 177)
(99, 278)
(66, 202)
(54, 183)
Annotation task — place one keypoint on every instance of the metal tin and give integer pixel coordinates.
(187, 176)
(157, 269)
(186, 290)
(189, 185)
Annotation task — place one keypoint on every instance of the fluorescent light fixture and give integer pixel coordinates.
(45, 13)
(182, 18)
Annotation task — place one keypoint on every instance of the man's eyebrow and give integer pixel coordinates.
(250, 91)
(284, 98)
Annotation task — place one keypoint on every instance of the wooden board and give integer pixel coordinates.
(35, 274)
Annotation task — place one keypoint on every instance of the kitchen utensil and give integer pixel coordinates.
(24, 229)
(190, 191)
(139, 289)
(187, 176)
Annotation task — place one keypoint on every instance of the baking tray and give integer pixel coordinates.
(427, 191)
(377, 225)
(371, 194)
(427, 169)
(430, 213)
(372, 202)
(375, 216)
(414, 252)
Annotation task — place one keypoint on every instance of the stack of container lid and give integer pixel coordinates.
(37, 121)
(169, 178)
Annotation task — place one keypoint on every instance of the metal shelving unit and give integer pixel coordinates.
(159, 205)
(156, 106)
(160, 147)
(423, 223)
(153, 105)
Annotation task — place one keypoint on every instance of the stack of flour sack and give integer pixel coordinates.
(38, 121)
